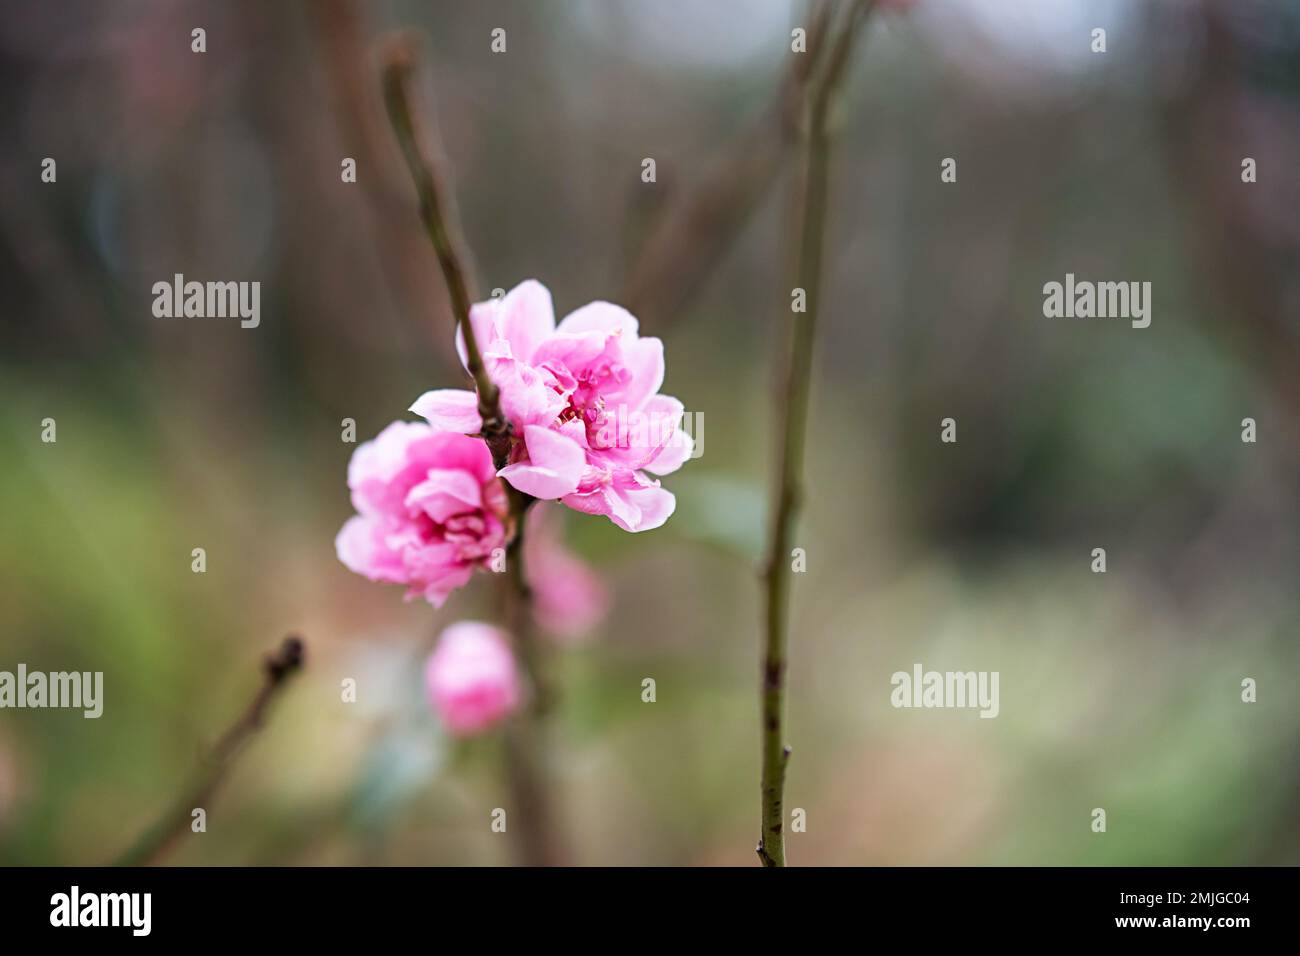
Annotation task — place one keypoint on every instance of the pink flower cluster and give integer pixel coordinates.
(588, 422)
(588, 427)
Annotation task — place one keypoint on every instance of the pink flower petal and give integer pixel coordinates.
(453, 450)
(587, 502)
(573, 351)
(525, 317)
(599, 317)
(622, 510)
(438, 590)
(673, 455)
(361, 547)
(446, 492)
(449, 409)
(665, 412)
(644, 360)
(654, 507)
(521, 320)
(529, 396)
(376, 464)
(554, 468)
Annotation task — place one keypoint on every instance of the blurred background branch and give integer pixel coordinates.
(156, 841)
(699, 223)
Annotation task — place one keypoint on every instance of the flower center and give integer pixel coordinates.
(587, 403)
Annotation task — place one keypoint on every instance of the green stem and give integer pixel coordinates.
(792, 414)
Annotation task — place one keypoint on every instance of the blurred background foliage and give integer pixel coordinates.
(1119, 691)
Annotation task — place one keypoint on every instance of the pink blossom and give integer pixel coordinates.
(569, 599)
(471, 678)
(429, 510)
(583, 400)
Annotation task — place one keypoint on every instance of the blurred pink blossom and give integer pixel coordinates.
(583, 399)
(569, 598)
(429, 510)
(471, 678)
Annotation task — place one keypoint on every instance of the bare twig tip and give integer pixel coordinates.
(286, 660)
(399, 52)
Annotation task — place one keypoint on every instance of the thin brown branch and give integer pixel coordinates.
(538, 836)
(519, 598)
(539, 843)
(156, 841)
(693, 232)
(792, 413)
(438, 213)
(384, 194)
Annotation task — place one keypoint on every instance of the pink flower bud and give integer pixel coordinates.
(471, 678)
